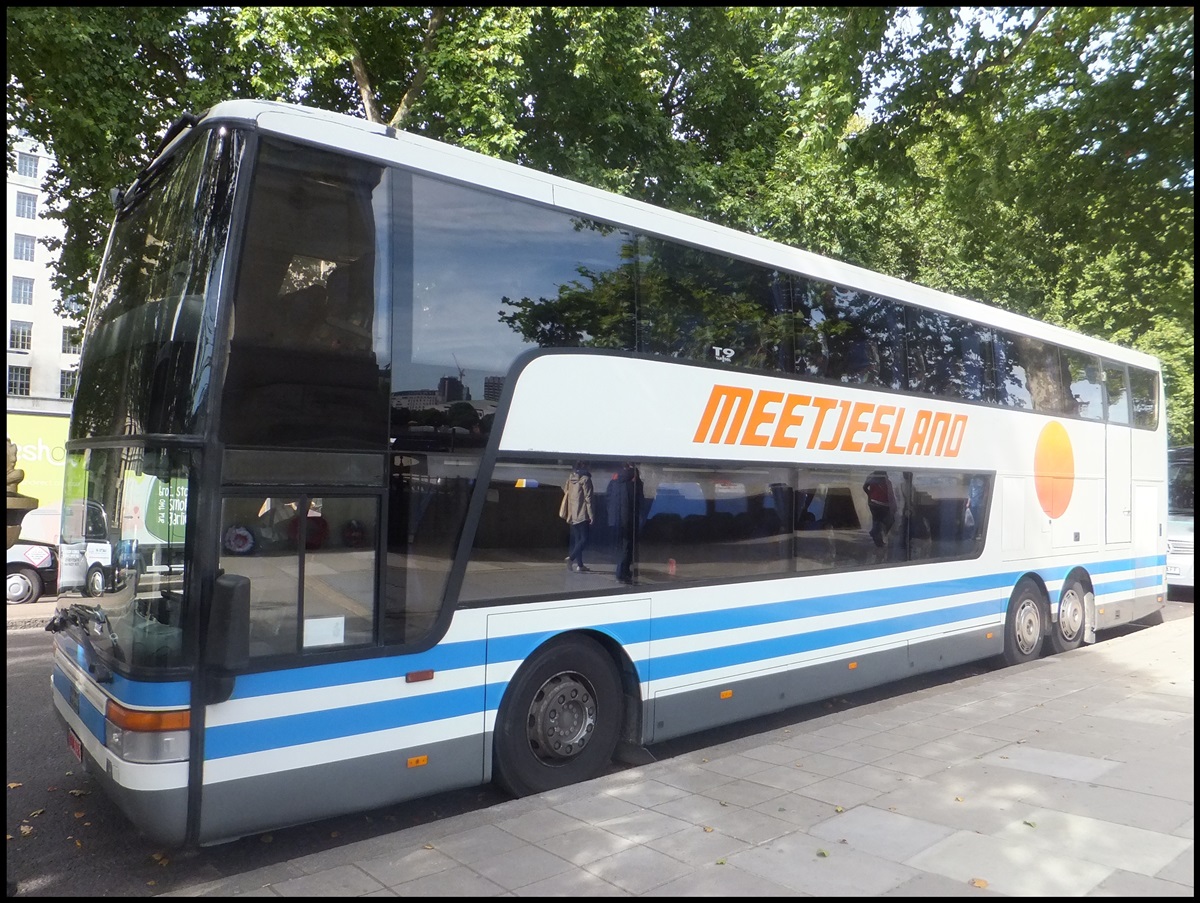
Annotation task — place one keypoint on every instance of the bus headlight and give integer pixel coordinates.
(146, 747)
(146, 736)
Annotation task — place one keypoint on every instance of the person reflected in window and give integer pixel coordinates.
(625, 496)
(881, 501)
(576, 510)
(973, 518)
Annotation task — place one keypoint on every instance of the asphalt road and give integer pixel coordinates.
(65, 839)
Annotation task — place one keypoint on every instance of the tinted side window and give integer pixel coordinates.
(1086, 384)
(1030, 375)
(848, 336)
(683, 524)
(947, 357)
(1143, 386)
(701, 306)
(1116, 393)
(307, 359)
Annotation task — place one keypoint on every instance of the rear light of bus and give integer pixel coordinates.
(146, 737)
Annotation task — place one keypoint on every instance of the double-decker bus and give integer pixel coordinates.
(346, 374)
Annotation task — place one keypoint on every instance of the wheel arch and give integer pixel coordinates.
(631, 684)
(1036, 578)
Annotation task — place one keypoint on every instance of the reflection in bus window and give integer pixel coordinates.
(331, 542)
(1116, 393)
(1086, 386)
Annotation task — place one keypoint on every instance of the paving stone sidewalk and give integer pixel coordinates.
(1069, 776)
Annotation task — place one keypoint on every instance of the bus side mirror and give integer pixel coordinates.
(227, 644)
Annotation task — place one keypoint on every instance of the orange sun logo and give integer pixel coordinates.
(1054, 469)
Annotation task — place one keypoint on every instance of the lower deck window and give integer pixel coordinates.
(700, 524)
(312, 565)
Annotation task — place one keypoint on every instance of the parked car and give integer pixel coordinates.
(32, 571)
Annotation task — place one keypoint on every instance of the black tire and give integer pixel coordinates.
(560, 719)
(24, 585)
(93, 583)
(1024, 625)
(1066, 633)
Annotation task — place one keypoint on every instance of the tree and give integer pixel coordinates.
(1036, 158)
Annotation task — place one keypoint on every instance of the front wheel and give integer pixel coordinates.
(560, 719)
(24, 586)
(1024, 624)
(93, 584)
(1067, 632)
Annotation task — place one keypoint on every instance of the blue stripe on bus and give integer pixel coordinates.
(796, 609)
(1131, 583)
(170, 695)
(517, 647)
(514, 648)
(448, 657)
(472, 653)
(332, 724)
(92, 718)
(175, 695)
(665, 666)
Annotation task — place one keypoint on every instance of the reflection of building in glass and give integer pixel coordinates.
(493, 387)
(452, 389)
(415, 399)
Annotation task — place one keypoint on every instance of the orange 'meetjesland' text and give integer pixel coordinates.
(740, 416)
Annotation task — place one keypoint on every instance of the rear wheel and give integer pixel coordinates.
(1024, 624)
(1067, 632)
(24, 586)
(560, 719)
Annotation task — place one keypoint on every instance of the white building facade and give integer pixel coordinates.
(43, 347)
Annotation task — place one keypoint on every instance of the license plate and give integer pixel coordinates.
(1172, 570)
(76, 746)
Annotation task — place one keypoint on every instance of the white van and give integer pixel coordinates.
(86, 558)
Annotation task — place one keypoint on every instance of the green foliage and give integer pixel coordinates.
(1036, 158)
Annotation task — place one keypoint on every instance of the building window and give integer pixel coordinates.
(66, 383)
(26, 205)
(18, 381)
(72, 340)
(23, 246)
(22, 290)
(27, 165)
(20, 336)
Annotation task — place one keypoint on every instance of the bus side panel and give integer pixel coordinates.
(811, 638)
(683, 711)
(297, 745)
(269, 801)
(955, 649)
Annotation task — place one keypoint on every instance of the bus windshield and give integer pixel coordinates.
(123, 531)
(144, 351)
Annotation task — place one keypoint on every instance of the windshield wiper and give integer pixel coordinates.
(84, 616)
(124, 197)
